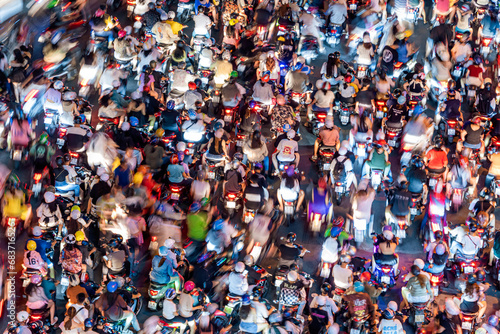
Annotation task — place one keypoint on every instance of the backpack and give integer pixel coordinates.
(339, 171)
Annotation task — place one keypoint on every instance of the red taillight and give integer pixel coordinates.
(452, 122)
(36, 317)
(458, 36)
(398, 65)
(380, 103)
(48, 67)
(166, 140)
(386, 270)
(228, 111)
(217, 92)
(84, 82)
(131, 2)
(137, 18)
(175, 189)
(497, 143)
(231, 196)
(240, 136)
(66, 6)
(361, 145)
(62, 132)
(321, 116)
(112, 276)
(154, 238)
(31, 95)
(282, 28)
(190, 144)
(325, 265)
(339, 291)
(73, 154)
(153, 292)
(391, 134)
(486, 41)
(402, 225)
(327, 153)
(414, 200)
(435, 279)
(37, 177)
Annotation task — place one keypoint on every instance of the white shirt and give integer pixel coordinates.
(330, 307)
(341, 276)
(261, 310)
(330, 253)
(263, 93)
(471, 244)
(238, 284)
(169, 309)
(390, 326)
(191, 97)
(201, 23)
(287, 149)
(110, 75)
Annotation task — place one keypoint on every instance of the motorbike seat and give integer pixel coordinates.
(416, 195)
(465, 257)
(283, 268)
(382, 259)
(158, 285)
(309, 38)
(394, 126)
(42, 310)
(232, 295)
(419, 305)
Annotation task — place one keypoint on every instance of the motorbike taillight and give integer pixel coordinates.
(231, 196)
(37, 177)
(62, 132)
(487, 41)
(153, 292)
(386, 270)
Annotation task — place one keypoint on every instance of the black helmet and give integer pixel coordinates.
(403, 185)
(118, 237)
(473, 227)
(388, 314)
(417, 161)
(67, 157)
(471, 279)
(481, 275)
(397, 93)
(452, 84)
(294, 267)
(151, 5)
(113, 243)
(291, 237)
(59, 161)
(438, 142)
(415, 270)
(326, 287)
(257, 292)
(438, 235)
(336, 54)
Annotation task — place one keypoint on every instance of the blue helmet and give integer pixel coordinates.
(218, 224)
(163, 251)
(286, 127)
(252, 104)
(298, 66)
(493, 320)
(112, 286)
(245, 300)
(170, 104)
(195, 207)
(134, 121)
(335, 231)
(192, 114)
(83, 118)
(358, 286)
(170, 293)
(89, 323)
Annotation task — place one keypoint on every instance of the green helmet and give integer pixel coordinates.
(204, 201)
(234, 74)
(44, 137)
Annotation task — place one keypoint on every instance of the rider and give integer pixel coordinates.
(290, 189)
(287, 150)
(237, 281)
(378, 159)
(472, 136)
(417, 177)
(76, 135)
(328, 137)
(470, 244)
(359, 303)
(164, 265)
(436, 159)
(63, 181)
(49, 214)
(400, 203)
(320, 202)
(418, 289)
(386, 251)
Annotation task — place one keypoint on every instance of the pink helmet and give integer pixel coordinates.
(189, 286)
(122, 33)
(36, 279)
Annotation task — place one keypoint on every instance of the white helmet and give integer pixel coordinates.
(37, 231)
(239, 267)
(128, 30)
(290, 134)
(58, 84)
(22, 316)
(292, 276)
(70, 239)
(226, 55)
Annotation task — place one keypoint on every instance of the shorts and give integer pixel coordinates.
(249, 327)
(473, 146)
(437, 170)
(469, 307)
(133, 243)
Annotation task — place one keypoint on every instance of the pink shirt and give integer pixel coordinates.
(20, 135)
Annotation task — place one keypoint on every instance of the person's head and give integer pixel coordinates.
(80, 298)
(359, 286)
(239, 267)
(22, 317)
(419, 263)
(249, 261)
(280, 100)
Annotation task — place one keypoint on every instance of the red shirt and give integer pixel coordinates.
(437, 159)
(475, 71)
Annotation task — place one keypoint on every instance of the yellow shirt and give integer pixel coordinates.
(176, 26)
(495, 164)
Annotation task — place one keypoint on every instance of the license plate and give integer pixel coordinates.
(339, 189)
(355, 331)
(391, 142)
(360, 224)
(216, 99)
(385, 279)
(436, 291)
(152, 304)
(432, 182)
(17, 155)
(211, 175)
(468, 270)
(467, 325)
(174, 196)
(406, 155)
(361, 73)
(241, 68)
(231, 205)
(73, 161)
(344, 119)
(228, 310)
(289, 210)
(64, 281)
(326, 166)
(190, 150)
(353, 6)
(37, 187)
(204, 80)
(337, 298)
(457, 73)
(401, 234)
(451, 132)
(228, 118)
(325, 273)
(380, 114)
(471, 93)
(413, 211)
(419, 318)
(486, 49)
(239, 143)
(376, 178)
(60, 141)
(197, 48)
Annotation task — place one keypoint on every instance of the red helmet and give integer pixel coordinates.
(365, 276)
(174, 159)
(192, 85)
(464, 161)
(348, 78)
(189, 286)
(322, 183)
(339, 222)
(122, 33)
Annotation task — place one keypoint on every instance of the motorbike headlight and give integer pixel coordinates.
(239, 246)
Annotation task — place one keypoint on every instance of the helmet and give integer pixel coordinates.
(174, 159)
(339, 222)
(440, 249)
(335, 231)
(22, 316)
(112, 286)
(477, 59)
(348, 78)
(472, 227)
(344, 258)
(286, 127)
(326, 287)
(37, 231)
(294, 267)
(358, 286)
(195, 207)
(170, 104)
(218, 224)
(481, 275)
(471, 279)
(128, 30)
(401, 100)
(44, 137)
(388, 314)
(419, 263)
(465, 8)
(192, 114)
(257, 292)
(226, 55)
(245, 300)
(397, 93)
(189, 286)
(151, 5)
(351, 251)
(192, 85)
(388, 234)
(336, 54)
(403, 185)
(290, 134)
(70, 239)
(234, 74)
(249, 261)
(122, 33)
(79, 236)
(239, 267)
(159, 133)
(134, 121)
(493, 320)
(292, 276)
(365, 276)
(154, 140)
(170, 293)
(162, 251)
(58, 85)
(291, 237)
(438, 142)
(31, 245)
(417, 161)
(89, 323)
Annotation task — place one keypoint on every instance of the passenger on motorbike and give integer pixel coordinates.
(365, 99)
(491, 325)
(366, 52)
(441, 65)
(486, 101)
(296, 80)
(322, 100)
(263, 91)
(20, 131)
(468, 245)
(437, 259)
(255, 150)
(417, 90)
(342, 274)
(320, 203)
(163, 31)
(472, 136)
(386, 246)
(417, 177)
(124, 50)
(71, 257)
(389, 323)
(186, 305)
(418, 289)
(290, 189)
(378, 159)
(77, 136)
(286, 151)
(359, 303)
(290, 252)
(49, 214)
(65, 182)
(37, 299)
(489, 25)
(436, 159)
(474, 74)
(461, 177)
(232, 92)
(223, 69)
(347, 90)
(170, 311)
(269, 64)
(237, 280)
(282, 115)
(462, 49)
(473, 299)
(383, 84)
(400, 202)
(164, 265)
(464, 19)
(333, 69)
(194, 129)
(33, 260)
(328, 137)
(362, 129)
(113, 307)
(397, 114)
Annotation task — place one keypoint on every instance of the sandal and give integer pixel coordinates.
(55, 321)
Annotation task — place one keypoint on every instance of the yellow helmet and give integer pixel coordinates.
(159, 133)
(79, 236)
(233, 22)
(31, 245)
(75, 207)
(138, 177)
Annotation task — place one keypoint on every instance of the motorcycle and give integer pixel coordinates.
(333, 34)
(416, 205)
(486, 46)
(19, 154)
(419, 315)
(345, 113)
(184, 9)
(325, 158)
(310, 48)
(393, 136)
(40, 181)
(376, 176)
(469, 322)
(232, 202)
(175, 192)
(156, 293)
(458, 196)
(381, 109)
(318, 121)
(471, 94)
(399, 225)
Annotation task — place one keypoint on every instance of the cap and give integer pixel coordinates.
(388, 235)
(22, 316)
(169, 243)
(125, 126)
(37, 231)
(49, 197)
(393, 305)
(440, 249)
(419, 263)
(239, 267)
(290, 134)
(105, 177)
(292, 276)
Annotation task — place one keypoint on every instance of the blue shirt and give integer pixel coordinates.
(175, 173)
(41, 247)
(489, 26)
(123, 176)
(161, 274)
